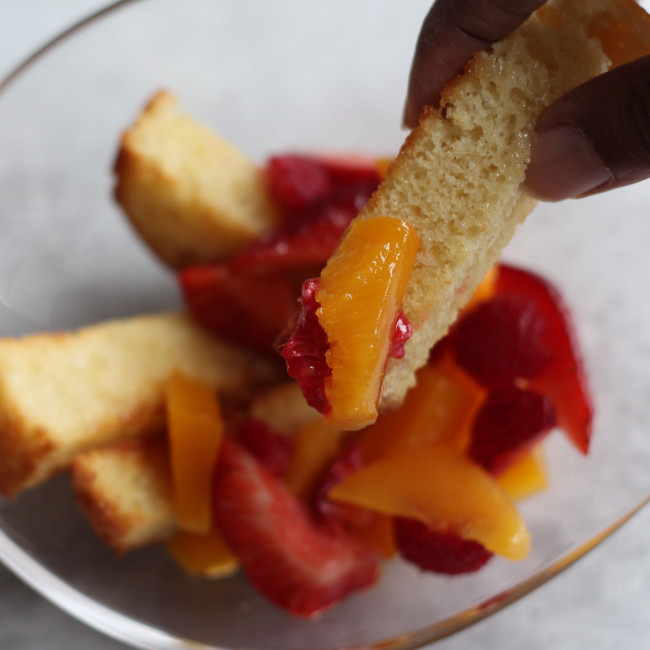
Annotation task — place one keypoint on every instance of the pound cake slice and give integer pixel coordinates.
(64, 393)
(190, 195)
(457, 181)
(125, 489)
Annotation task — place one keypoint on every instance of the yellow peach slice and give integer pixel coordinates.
(438, 410)
(316, 446)
(525, 477)
(361, 290)
(205, 555)
(442, 488)
(195, 429)
(379, 534)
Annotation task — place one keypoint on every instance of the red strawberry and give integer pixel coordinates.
(270, 447)
(337, 514)
(508, 423)
(305, 350)
(297, 182)
(501, 340)
(564, 379)
(320, 197)
(440, 349)
(354, 178)
(308, 242)
(441, 552)
(297, 564)
(247, 309)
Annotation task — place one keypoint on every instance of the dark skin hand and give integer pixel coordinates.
(595, 138)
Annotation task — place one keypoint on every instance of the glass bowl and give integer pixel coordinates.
(273, 77)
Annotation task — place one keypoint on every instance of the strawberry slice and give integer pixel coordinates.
(320, 197)
(247, 309)
(296, 563)
(297, 182)
(354, 178)
(307, 241)
(440, 552)
(304, 351)
(510, 422)
(251, 299)
(564, 379)
(501, 340)
(338, 514)
(270, 447)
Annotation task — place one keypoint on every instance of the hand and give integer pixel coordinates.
(595, 138)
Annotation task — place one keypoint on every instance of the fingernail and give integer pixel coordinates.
(564, 164)
(410, 116)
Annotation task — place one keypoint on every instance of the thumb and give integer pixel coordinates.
(594, 138)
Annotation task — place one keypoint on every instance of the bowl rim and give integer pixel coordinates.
(56, 40)
(127, 630)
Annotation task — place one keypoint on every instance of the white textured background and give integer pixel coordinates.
(602, 603)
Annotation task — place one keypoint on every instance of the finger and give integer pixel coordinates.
(596, 137)
(452, 31)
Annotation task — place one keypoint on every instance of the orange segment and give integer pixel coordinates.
(445, 490)
(204, 555)
(195, 429)
(438, 410)
(316, 445)
(361, 290)
(526, 477)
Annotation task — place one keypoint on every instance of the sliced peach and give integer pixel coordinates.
(379, 534)
(442, 488)
(205, 555)
(526, 477)
(316, 446)
(438, 410)
(195, 429)
(361, 291)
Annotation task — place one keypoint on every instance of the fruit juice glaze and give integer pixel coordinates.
(309, 518)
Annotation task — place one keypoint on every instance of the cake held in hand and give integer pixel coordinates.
(457, 179)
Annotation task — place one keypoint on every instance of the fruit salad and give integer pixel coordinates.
(311, 517)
